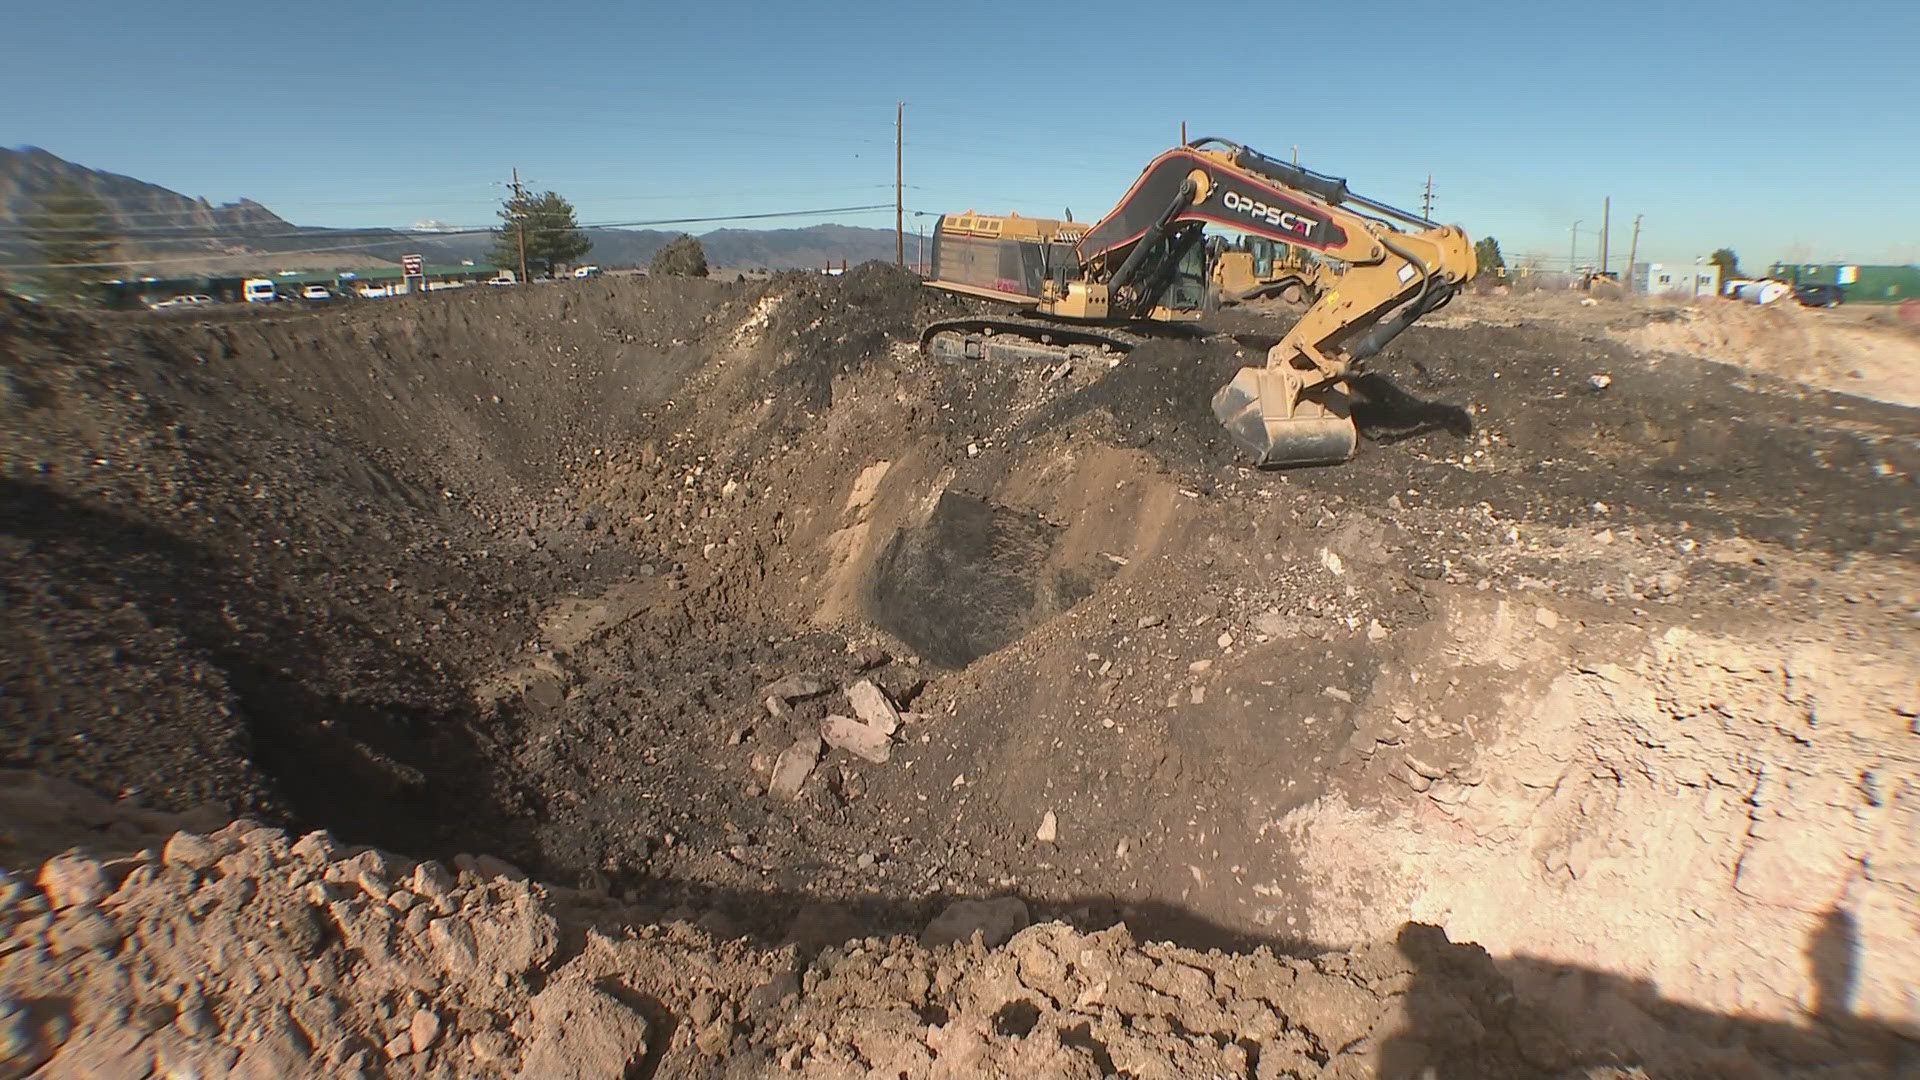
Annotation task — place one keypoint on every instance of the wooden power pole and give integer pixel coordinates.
(1633, 252)
(520, 222)
(899, 204)
(1606, 220)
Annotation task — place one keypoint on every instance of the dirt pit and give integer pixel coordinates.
(1571, 726)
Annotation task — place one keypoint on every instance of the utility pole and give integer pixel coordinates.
(1573, 249)
(1296, 153)
(1606, 223)
(1633, 252)
(899, 204)
(1426, 201)
(520, 222)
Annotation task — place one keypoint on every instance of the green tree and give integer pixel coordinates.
(547, 225)
(1728, 262)
(681, 257)
(76, 235)
(1486, 252)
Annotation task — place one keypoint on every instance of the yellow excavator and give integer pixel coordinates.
(1256, 268)
(1143, 270)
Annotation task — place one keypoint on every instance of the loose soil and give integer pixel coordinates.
(1600, 661)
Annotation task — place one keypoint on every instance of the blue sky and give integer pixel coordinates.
(1780, 129)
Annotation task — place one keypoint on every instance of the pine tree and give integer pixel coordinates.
(77, 236)
(546, 223)
(1486, 252)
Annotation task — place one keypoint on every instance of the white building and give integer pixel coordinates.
(1696, 279)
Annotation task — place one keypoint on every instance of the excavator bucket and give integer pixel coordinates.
(1259, 411)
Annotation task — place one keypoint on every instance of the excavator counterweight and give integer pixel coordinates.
(1147, 265)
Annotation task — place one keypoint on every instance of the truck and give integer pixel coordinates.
(259, 290)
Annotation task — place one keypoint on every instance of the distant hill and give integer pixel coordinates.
(163, 223)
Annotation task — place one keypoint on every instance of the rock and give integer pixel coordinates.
(996, 921)
(490, 1047)
(1546, 618)
(84, 928)
(453, 945)
(1200, 667)
(432, 881)
(424, 1031)
(870, 704)
(714, 1039)
(794, 687)
(315, 847)
(1426, 769)
(794, 765)
(776, 707)
(861, 740)
(1147, 622)
(1600, 382)
(72, 879)
(870, 657)
(1376, 632)
(399, 1046)
(1049, 829)
(581, 1033)
(490, 866)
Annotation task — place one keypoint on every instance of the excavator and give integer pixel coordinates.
(1142, 271)
(1256, 268)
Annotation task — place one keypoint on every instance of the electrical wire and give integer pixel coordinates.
(417, 238)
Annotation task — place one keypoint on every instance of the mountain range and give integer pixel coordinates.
(192, 235)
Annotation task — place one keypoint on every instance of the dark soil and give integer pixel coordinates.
(273, 563)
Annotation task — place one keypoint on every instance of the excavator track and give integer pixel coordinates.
(1013, 338)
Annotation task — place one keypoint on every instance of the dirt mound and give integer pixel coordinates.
(248, 951)
(588, 577)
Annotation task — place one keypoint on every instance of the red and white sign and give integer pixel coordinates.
(412, 266)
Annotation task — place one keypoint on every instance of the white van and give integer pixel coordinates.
(259, 290)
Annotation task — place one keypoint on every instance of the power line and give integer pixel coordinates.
(417, 238)
(475, 230)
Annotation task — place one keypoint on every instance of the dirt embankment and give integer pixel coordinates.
(1612, 677)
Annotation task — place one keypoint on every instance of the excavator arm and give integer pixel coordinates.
(1399, 266)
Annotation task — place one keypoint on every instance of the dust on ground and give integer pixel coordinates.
(1864, 351)
(1612, 678)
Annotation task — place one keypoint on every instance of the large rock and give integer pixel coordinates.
(996, 921)
(861, 740)
(73, 879)
(871, 704)
(580, 1033)
(794, 687)
(795, 764)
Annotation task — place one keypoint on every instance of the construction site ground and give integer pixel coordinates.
(435, 687)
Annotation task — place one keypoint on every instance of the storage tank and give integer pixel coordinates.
(1760, 292)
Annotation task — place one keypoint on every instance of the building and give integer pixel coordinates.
(1669, 279)
(1861, 284)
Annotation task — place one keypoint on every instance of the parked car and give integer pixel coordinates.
(505, 278)
(1820, 295)
(316, 292)
(586, 271)
(194, 300)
